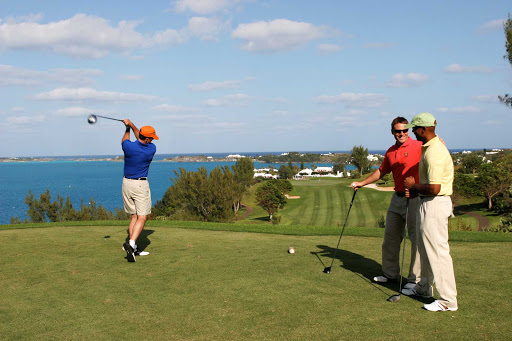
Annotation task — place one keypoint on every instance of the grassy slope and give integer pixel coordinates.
(325, 202)
(73, 283)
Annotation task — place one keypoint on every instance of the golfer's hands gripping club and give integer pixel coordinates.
(356, 185)
(409, 184)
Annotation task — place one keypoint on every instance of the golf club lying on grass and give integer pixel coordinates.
(328, 269)
(396, 298)
(93, 118)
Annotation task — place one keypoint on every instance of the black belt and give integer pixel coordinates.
(400, 194)
(145, 178)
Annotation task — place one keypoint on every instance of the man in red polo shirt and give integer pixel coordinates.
(402, 159)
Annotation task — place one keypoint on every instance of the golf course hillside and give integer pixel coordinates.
(325, 201)
(201, 282)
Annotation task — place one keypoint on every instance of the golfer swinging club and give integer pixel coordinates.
(136, 193)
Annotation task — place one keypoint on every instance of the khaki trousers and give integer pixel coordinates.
(436, 262)
(394, 234)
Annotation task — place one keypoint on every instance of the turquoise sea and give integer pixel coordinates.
(100, 180)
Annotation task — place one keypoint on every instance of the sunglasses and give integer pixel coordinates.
(398, 131)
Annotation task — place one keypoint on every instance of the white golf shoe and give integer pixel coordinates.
(437, 306)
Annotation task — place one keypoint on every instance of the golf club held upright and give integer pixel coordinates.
(328, 269)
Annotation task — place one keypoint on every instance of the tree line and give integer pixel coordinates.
(203, 196)
(43, 210)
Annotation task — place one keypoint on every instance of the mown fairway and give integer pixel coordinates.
(73, 283)
(325, 202)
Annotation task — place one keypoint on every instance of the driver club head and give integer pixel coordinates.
(394, 298)
(92, 119)
(327, 270)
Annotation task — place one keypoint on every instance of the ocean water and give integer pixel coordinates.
(100, 180)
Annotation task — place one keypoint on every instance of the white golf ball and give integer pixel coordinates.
(291, 250)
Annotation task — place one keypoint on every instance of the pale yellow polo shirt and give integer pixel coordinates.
(436, 166)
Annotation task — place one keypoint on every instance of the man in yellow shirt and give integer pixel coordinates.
(434, 189)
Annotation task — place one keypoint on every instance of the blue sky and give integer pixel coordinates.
(246, 76)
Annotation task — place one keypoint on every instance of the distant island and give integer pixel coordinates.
(293, 157)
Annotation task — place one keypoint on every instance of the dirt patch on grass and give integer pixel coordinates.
(378, 188)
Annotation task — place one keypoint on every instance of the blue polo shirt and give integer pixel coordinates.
(137, 158)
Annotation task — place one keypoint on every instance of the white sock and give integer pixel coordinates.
(132, 243)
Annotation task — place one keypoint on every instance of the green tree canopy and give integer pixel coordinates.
(359, 158)
(471, 163)
(286, 172)
(507, 27)
(270, 198)
(493, 179)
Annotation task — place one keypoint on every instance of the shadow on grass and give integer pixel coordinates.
(143, 241)
(364, 268)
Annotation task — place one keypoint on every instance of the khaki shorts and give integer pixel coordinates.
(136, 197)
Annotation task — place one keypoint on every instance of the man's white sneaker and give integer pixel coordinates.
(410, 285)
(413, 292)
(437, 306)
(141, 253)
(380, 279)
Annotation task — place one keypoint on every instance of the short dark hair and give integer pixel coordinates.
(398, 119)
(142, 137)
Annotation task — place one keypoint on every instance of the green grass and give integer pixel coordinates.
(73, 283)
(325, 202)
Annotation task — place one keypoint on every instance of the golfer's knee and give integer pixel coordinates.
(142, 218)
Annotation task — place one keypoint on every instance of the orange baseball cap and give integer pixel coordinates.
(148, 131)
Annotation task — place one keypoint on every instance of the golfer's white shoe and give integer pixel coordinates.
(141, 253)
(437, 306)
(413, 292)
(380, 279)
(410, 285)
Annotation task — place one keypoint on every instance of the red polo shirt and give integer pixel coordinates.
(403, 161)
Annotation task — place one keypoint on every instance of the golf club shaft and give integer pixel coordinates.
(109, 118)
(343, 229)
(403, 247)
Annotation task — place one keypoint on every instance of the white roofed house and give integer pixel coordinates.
(323, 170)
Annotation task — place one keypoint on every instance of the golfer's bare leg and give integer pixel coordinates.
(136, 226)
(132, 224)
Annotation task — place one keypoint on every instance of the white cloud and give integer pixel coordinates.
(173, 108)
(486, 98)
(205, 28)
(493, 123)
(459, 110)
(131, 77)
(491, 26)
(90, 94)
(203, 6)
(229, 125)
(14, 76)
(233, 99)
(24, 120)
(277, 35)
(364, 100)
(379, 45)
(82, 36)
(407, 80)
(457, 68)
(79, 111)
(209, 85)
(329, 48)
(186, 121)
